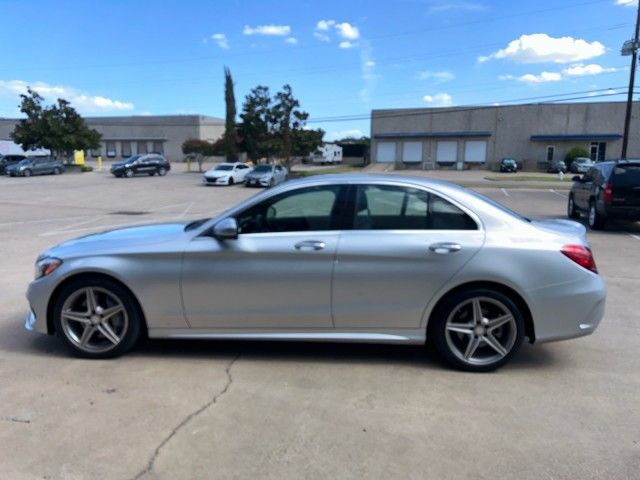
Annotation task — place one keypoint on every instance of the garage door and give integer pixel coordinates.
(475, 151)
(386, 152)
(447, 152)
(412, 152)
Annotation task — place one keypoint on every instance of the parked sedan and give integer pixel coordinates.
(362, 258)
(36, 166)
(581, 165)
(226, 174)
(557, 166)
(148, 164)
(508, 165)
(8, 160)
(266, 175)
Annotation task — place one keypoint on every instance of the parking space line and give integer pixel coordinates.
(558, 193)
(504, 190)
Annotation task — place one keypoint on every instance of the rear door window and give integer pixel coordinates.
(626, 176)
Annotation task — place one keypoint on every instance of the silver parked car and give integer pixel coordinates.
(266, 175)
(344, 258)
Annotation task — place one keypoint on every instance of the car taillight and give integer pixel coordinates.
(607, 195)
(581, 255)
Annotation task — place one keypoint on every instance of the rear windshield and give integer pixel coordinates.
(626, 176)
(262, 168)
(498, 205)
(224, 167)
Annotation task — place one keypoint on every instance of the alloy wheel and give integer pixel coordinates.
(481, 331)
(94, 320)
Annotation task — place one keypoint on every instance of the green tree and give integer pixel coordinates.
(307, 141)
(199, 149)
(230, 134)
(58, 128)
(254, 128)
(574, 153)
(287, 122)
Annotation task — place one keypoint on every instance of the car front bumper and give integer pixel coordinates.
(258, 182)
(215, 181)
(38, 294)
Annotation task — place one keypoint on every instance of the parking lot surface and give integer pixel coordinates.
(178, 409)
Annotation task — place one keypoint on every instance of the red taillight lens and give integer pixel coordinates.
(581, 255)
(607, 195)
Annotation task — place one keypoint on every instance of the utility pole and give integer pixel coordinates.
(630, 48)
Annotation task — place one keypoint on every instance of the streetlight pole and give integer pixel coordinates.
(632, 75)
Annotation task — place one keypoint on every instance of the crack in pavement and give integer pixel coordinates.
(188, 418)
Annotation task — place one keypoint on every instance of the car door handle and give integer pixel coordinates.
(310, 244)
(445, 247)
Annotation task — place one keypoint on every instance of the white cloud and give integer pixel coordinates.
(436, 77)
(347, 31)
(627, 3)
(369, 63)
(80, 100)
(439, 100)
(446, 6)
(324, 25)
(321, 36)
(543, 77)
(221, 40)
(347, 44)
(609, 91)
(541, 48)
(273, 30)
(291, 40)
(581, 70)
(340, 134)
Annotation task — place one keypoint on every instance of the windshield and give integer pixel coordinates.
(25, 162)
(509, 161)
(132, 158)
(224, 167)
(262, 169)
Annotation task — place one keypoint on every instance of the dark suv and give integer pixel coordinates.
(8, 160)
(606, 190)
(148, 164)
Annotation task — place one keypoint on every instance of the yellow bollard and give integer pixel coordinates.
(188, 164)
(99, 163)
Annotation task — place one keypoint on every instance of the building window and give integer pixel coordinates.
(96, 152)
(125, 148)
(598, 151)
(447, 152)
(142, 147)
(111, 149)
(551, 150)
(412, 152)
(475, 151)
(158, 147)
(386, 152)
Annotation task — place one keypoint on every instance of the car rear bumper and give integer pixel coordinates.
(622, 212)
(570, 310)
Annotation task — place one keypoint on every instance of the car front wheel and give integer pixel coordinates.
(128, 173)
(477, 330)
(162, 171)
(56, 171)
(571, 208)
(26, 173)
(96, 318)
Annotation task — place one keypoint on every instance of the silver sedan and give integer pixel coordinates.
(343, 258)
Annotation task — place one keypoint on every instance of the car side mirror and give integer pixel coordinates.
(226, 229)
(576, 178)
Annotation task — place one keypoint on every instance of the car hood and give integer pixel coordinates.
(217, 173)
(562, 227)
(259, 174)
(127, 239)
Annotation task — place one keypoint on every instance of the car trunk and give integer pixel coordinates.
(626, 185)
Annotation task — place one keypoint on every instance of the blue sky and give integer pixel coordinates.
(341, 58)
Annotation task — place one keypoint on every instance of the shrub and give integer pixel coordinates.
(86, 168)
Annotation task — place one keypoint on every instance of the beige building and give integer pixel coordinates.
(479, 137)
(126, 136)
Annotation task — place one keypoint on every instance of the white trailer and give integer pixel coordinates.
(328, 154)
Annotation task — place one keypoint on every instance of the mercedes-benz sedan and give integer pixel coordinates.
(342, 258)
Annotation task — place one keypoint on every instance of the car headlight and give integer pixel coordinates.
(46, 265)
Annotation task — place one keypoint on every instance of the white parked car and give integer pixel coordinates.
(226, 174)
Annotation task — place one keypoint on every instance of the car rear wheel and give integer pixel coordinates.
(96, 318)
(571, 208)
(56, 171)
(128, 173)
(477, 330)
(162, 171)
(231, 182)
(595, 220)
(26, 173)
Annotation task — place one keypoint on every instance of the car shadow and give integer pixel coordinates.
(13, 338)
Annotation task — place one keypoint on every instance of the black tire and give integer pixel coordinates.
(231, 182)
(449, 344)
(162, 171)
(26, 173)
(594, 219)
(128, 173)
(129, 335)
(571, 208)
(56, 171)
(151, 174)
